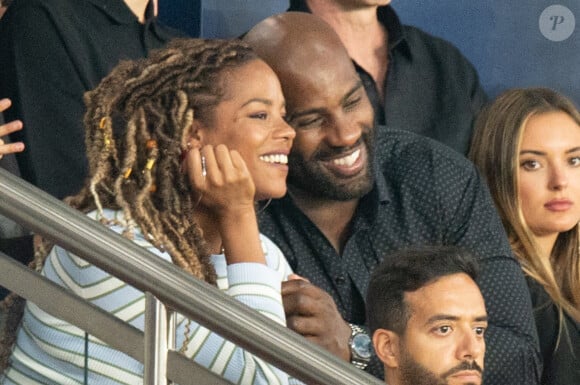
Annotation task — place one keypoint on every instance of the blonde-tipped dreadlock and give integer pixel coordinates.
(137, 123)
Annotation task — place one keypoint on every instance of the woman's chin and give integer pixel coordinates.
(260, 197)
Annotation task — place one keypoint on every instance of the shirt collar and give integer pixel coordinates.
(387, 16)
(298, 6)
(381, 185)
(397, 40)
(118, 10)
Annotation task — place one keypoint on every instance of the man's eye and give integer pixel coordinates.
(350, 104)
(480, 330)
(443, 330)
(308, 122)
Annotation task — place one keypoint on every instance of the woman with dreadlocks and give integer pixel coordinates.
(180, 146)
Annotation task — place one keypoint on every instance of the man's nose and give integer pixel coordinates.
(343, 132)
(471, 346)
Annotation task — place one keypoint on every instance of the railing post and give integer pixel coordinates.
(155, 364)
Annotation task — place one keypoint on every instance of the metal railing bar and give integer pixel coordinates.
(64, 304)
(193, 298)
(97, 322)
(154, 366)
(179, 371)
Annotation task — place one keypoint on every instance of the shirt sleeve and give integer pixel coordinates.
(259, 287)
(255, 285)
(512, 355)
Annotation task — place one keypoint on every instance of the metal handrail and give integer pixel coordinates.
(193, 298)
(96, 321)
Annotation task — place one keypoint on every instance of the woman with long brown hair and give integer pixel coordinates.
(527, 145)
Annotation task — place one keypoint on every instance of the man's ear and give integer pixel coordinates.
(386, 343)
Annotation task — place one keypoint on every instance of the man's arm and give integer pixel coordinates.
(311, 312)
(512, 355)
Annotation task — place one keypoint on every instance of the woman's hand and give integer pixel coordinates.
(8, 128)
(227, 192)
(221, 177)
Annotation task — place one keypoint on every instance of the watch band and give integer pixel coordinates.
(360, 346)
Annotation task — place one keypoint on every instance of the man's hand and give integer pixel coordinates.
(311, 312)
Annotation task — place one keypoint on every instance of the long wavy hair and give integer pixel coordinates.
(495, 151)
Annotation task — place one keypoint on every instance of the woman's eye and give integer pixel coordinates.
(259, 115)
(530, 165)
(575, 161)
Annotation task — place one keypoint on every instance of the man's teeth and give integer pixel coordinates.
(347, 160)
(277, 158)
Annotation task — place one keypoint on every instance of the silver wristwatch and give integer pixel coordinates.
(361, 347)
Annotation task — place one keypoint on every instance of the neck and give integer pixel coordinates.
(138, 7)
(359, 29)
(332, 218)
(392, 376)
(546, 245)
(356, 20)
(208, 224)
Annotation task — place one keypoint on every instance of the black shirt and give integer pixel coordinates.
(51, 53)
(431, 88)
(561, 359)
(424, 195)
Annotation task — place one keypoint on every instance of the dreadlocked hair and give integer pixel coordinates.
(137, 125)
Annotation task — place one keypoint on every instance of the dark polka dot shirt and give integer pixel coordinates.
(424, 194)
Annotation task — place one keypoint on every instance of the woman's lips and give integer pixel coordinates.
(559, 205)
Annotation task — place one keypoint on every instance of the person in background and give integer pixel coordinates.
(180, 146)
(8, 128)
(527, 145)
(415, 81)
(51, 53)
(3, 6)
(14, 240)
(427, 317)
(345, 209)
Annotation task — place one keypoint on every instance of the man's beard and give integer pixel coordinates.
(413, 373)
(310, 176)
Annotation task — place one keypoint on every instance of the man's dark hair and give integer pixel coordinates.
(406, 271)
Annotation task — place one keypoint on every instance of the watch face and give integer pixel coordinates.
(362, 345)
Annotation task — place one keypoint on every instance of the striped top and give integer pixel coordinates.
(51, 351)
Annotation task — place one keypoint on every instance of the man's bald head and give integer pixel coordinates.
(291, 34)
(299, 47)
(325, 103)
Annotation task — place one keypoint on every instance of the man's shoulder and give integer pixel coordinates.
(426, 42)
(397, 146)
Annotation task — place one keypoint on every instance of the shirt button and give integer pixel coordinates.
(339, 279)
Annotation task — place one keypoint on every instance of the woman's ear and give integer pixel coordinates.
(195, 137)
(386, 344)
